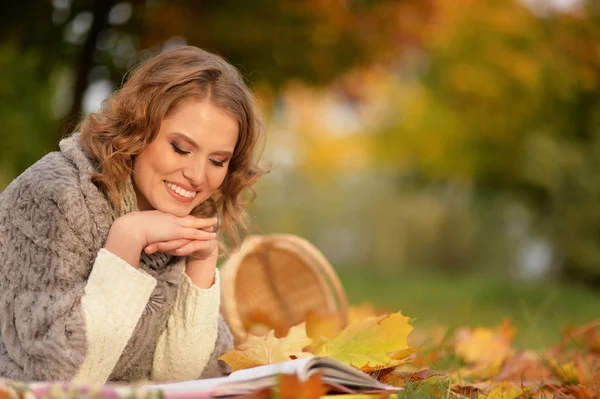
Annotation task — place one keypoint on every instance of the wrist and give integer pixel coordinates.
(130, 225)
(124, 241)
(202, 271)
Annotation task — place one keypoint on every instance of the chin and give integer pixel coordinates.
(175, 209)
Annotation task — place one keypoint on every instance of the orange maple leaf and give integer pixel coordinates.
(292, 388)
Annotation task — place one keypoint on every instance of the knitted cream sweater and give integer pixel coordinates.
(183, 348)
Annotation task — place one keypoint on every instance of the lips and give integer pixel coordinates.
(179, 192)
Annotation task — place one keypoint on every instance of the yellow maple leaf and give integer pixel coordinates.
(484, 349)
(359, 312)
(323, 326)
(579, 369)
(483, 345)
(506, 390)
(258, 351)
(371, 344)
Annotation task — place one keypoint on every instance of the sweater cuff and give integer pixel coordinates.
(115, 297)
(185, 346)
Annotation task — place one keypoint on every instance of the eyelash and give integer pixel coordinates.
(178, 150)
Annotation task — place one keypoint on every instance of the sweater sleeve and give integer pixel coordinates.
(186, 345)
(111, 308)
(49, 241)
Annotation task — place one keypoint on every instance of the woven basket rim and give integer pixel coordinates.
(302, 249)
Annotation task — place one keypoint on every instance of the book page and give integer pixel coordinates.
(243, 381)
(299, 367)
(338, 372)
(240, 381)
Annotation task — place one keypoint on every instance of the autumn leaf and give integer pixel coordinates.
(589, 333)
(260, 323)
(482, 345)
(524, 366)
(323, 326)
(484, 349)
(363, 311)
(506, 390)
(258, 351)
(578, 369)
(6, 392)
(371, 344)
(397, 378)
(430, 338)
(362, 396)
(292, 388)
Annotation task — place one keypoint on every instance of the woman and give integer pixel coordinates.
(108, 247)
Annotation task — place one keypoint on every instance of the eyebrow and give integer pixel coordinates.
(191, 142)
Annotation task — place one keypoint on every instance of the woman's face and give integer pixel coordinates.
(187, 161)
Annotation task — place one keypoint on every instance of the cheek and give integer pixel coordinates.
(217, 179)
(162, 164)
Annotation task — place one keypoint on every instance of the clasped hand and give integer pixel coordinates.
(156, 231)
(193, 244)
(196, 249)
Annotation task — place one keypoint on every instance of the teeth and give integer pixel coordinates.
(181, 191)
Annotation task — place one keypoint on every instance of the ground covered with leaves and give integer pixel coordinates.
(469, 362)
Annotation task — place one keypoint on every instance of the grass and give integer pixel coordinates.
(540, 312)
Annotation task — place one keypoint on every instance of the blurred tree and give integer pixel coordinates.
(510, 101)
(271, 41)
(25, 112)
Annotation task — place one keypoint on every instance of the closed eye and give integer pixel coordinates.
(179, 150)
(219, 164)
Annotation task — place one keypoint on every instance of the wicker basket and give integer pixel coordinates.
(281, 275)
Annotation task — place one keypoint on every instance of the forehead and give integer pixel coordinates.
(202, 121)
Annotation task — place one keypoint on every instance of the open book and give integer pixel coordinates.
(339, 376)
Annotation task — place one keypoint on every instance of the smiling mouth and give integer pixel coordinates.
(180, 191)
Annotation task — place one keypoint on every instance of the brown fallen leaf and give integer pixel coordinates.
(420, 375)
(402, 378)
(526, 367)
(467, 391)
(574, 334)
(578, 369)
(580, 392)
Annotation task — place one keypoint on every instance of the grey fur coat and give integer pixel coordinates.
(53, 221)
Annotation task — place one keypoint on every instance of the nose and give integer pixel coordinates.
(195, 173)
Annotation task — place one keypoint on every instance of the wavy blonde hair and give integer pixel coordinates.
(130, 119)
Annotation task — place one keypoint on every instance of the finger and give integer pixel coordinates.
(197, 223)
(165, 246)
(197, 234)
(210, 229)
(196, 246)
(150, 249)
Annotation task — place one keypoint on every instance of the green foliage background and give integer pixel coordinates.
(451, 136)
